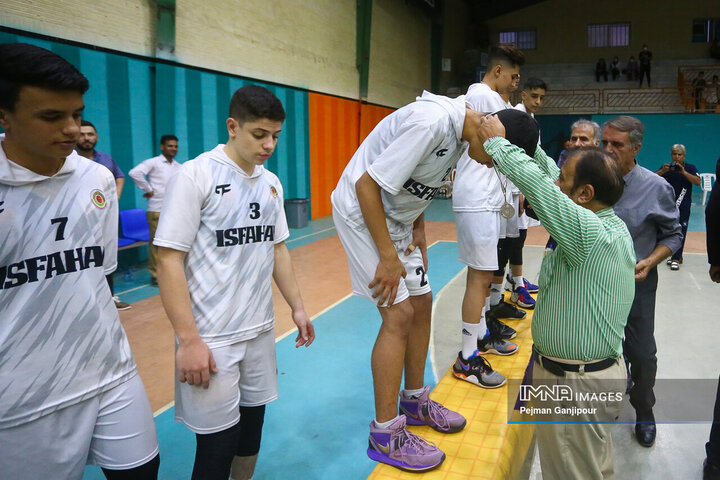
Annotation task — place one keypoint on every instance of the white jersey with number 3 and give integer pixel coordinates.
(61, 340)
(228, 222)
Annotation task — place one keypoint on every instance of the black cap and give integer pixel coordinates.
(520, 129)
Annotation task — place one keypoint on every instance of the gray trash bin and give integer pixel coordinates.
(296, 211)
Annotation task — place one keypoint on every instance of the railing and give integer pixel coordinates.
(709, 100)
(612, 100)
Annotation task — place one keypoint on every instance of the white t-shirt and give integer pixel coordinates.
(158, 172)
(228, 223)
(521, 106)
(524, 221)
(410, 153)
(477, 188)
(61, 341)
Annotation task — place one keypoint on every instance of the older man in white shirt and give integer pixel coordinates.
(152, 176)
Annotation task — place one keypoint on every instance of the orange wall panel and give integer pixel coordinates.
(334, 126)
(370, 115)
(337, 126)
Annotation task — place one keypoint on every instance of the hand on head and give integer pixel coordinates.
(490, 126)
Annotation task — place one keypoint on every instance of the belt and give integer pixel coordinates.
(559, 368)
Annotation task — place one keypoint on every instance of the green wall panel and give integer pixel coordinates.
(132, 102)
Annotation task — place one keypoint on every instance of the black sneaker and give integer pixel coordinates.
(499, 329)
(494, 344)
(507, 310)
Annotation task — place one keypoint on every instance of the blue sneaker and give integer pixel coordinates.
(522, 298)
(530, 287)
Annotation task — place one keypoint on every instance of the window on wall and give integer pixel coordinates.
(609, 35)
(523, 39)
(705, 30)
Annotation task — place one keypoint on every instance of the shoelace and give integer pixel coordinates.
(484, 363)
(437, 413)
(409, 439)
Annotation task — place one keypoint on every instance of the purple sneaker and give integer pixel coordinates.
(401, 449)
(424, 411)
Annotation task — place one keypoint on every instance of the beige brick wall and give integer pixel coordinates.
(306, 44)
(126, 25)
(293, 42)
(399, 53)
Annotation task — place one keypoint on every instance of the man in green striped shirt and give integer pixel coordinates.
(587, 286)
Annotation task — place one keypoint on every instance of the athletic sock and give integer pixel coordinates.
(482, 330)
(496, 294)
(519, 281)
(413, 393)
(470, 332)
(384, 424)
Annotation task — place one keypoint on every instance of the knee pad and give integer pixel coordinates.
(215, 453)
(251, 423)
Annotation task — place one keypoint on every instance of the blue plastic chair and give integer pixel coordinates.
(134, 225)
(124, 242)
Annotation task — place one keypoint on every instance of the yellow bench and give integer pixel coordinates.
(488, 447)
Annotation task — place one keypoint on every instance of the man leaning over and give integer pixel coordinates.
(577, 333)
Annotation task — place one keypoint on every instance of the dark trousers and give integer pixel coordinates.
(644, 71)
(639, 347)
(684, 219)
(712, 448)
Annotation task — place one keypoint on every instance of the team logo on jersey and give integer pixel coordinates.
(273, 191)
(98, 199)
(222, 189)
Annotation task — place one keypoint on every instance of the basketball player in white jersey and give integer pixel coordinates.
(378, 209)
(478, 196)
(221, 242)
(70, 393)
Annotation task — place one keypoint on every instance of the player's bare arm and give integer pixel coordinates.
(284, 276)
(390, 268)
(419, 240)
(193, 358)
(119, 184)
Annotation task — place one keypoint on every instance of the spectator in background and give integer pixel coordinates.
(615, 68)
(713, 94)
(647, 207)
(601, 70)
(711, 467)
(631, 69)
(86, 147)
(645, 57)
(585, 133)
(698, 89)
(681, 176)
(151, 176)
